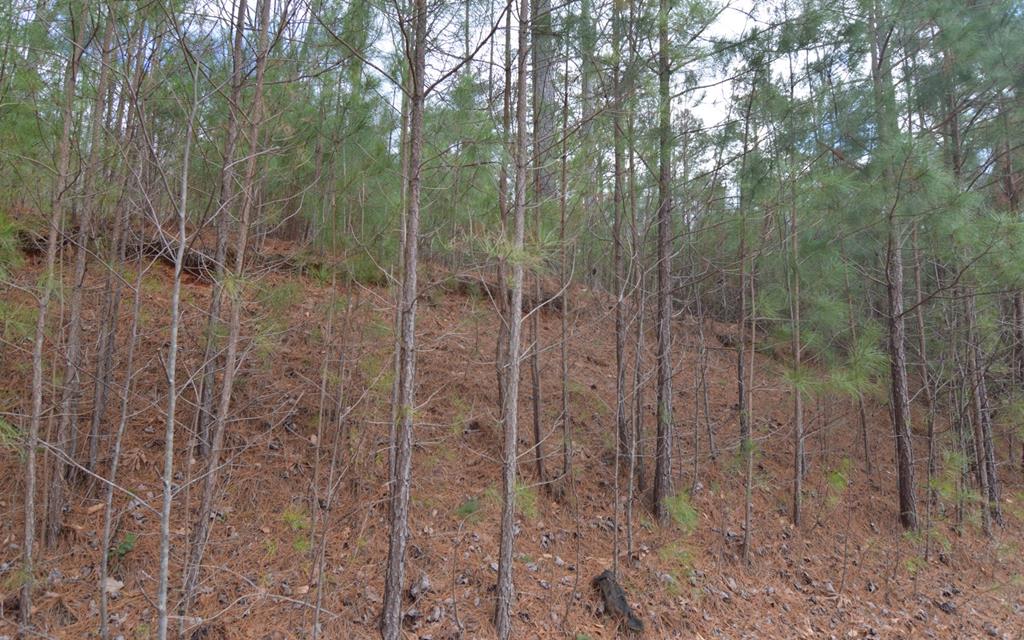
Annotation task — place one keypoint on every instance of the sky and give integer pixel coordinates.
(735, 19)
(710, 105)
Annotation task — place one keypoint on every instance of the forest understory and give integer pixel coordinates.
(300, 528)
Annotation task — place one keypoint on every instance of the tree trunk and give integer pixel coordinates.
(167, 477)
(55, 223)
(543, 135)
(748, 442)
(563, 239)
(56, 498)
(797, 346)
(926, 381)
(505, 593)
(621, 431)
(975, 380)
(984, 451)
(545, 101)
(401, 481)
(637, 475)
(502, 303)
(664, 436)
(742, 392)
(115, 460)
(882, 86)
(861, 409)
(225, 197)
(403, 151)
(900, 397)
(85, 232)
(205, 517)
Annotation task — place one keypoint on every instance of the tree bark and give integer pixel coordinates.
(882, 88)
(545, 101)
(56, 495)
(563, 190)
(167, 477)
(85, 232)
(978, 409)
(35, 419)
(543, 134)
(664, 437)
(205, 517)
(225, 197)
(505, 592)
(401, 481)
(115, 461)
(926, 380)
(502, 303)
(107, 342)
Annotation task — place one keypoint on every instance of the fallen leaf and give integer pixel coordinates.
(112, 586)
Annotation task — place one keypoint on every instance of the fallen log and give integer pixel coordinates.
(615, 603)
(476, 286)
(195, 263)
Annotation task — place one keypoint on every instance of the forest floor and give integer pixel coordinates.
(848, 572)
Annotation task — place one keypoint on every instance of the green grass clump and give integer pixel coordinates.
(126, 545)
(468, 510)
(10, 435)
(295, 517)
(682, 512)
(279, 296)
(526, 499)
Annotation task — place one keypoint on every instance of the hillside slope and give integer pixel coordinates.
(312, 411)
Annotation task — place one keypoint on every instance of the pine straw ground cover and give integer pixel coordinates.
(848, 573)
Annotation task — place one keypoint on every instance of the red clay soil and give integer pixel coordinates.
(849, 572)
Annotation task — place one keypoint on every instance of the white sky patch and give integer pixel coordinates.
(711, 106)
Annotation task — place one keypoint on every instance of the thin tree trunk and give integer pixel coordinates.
(505, 593)
(742, 393)
(636, 469)
(861, 409)
(622, 439)
(702, 364)
(225, 197)
(93, 166)
(544, 110)
(926, 383)
(621, 430)
(403, 150)
(115, 460)
(563, 190)
(637, 475)
(56, 497)
(882, 86)
(172, 388)
(798, 403)
(205, 518)
(748, 443)
(984, 452)
(55, 223)
(391, 616)
(535, 393)
(899, 391)
(535, 360)
(977, 413)
(990, 457)
(501, 341)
